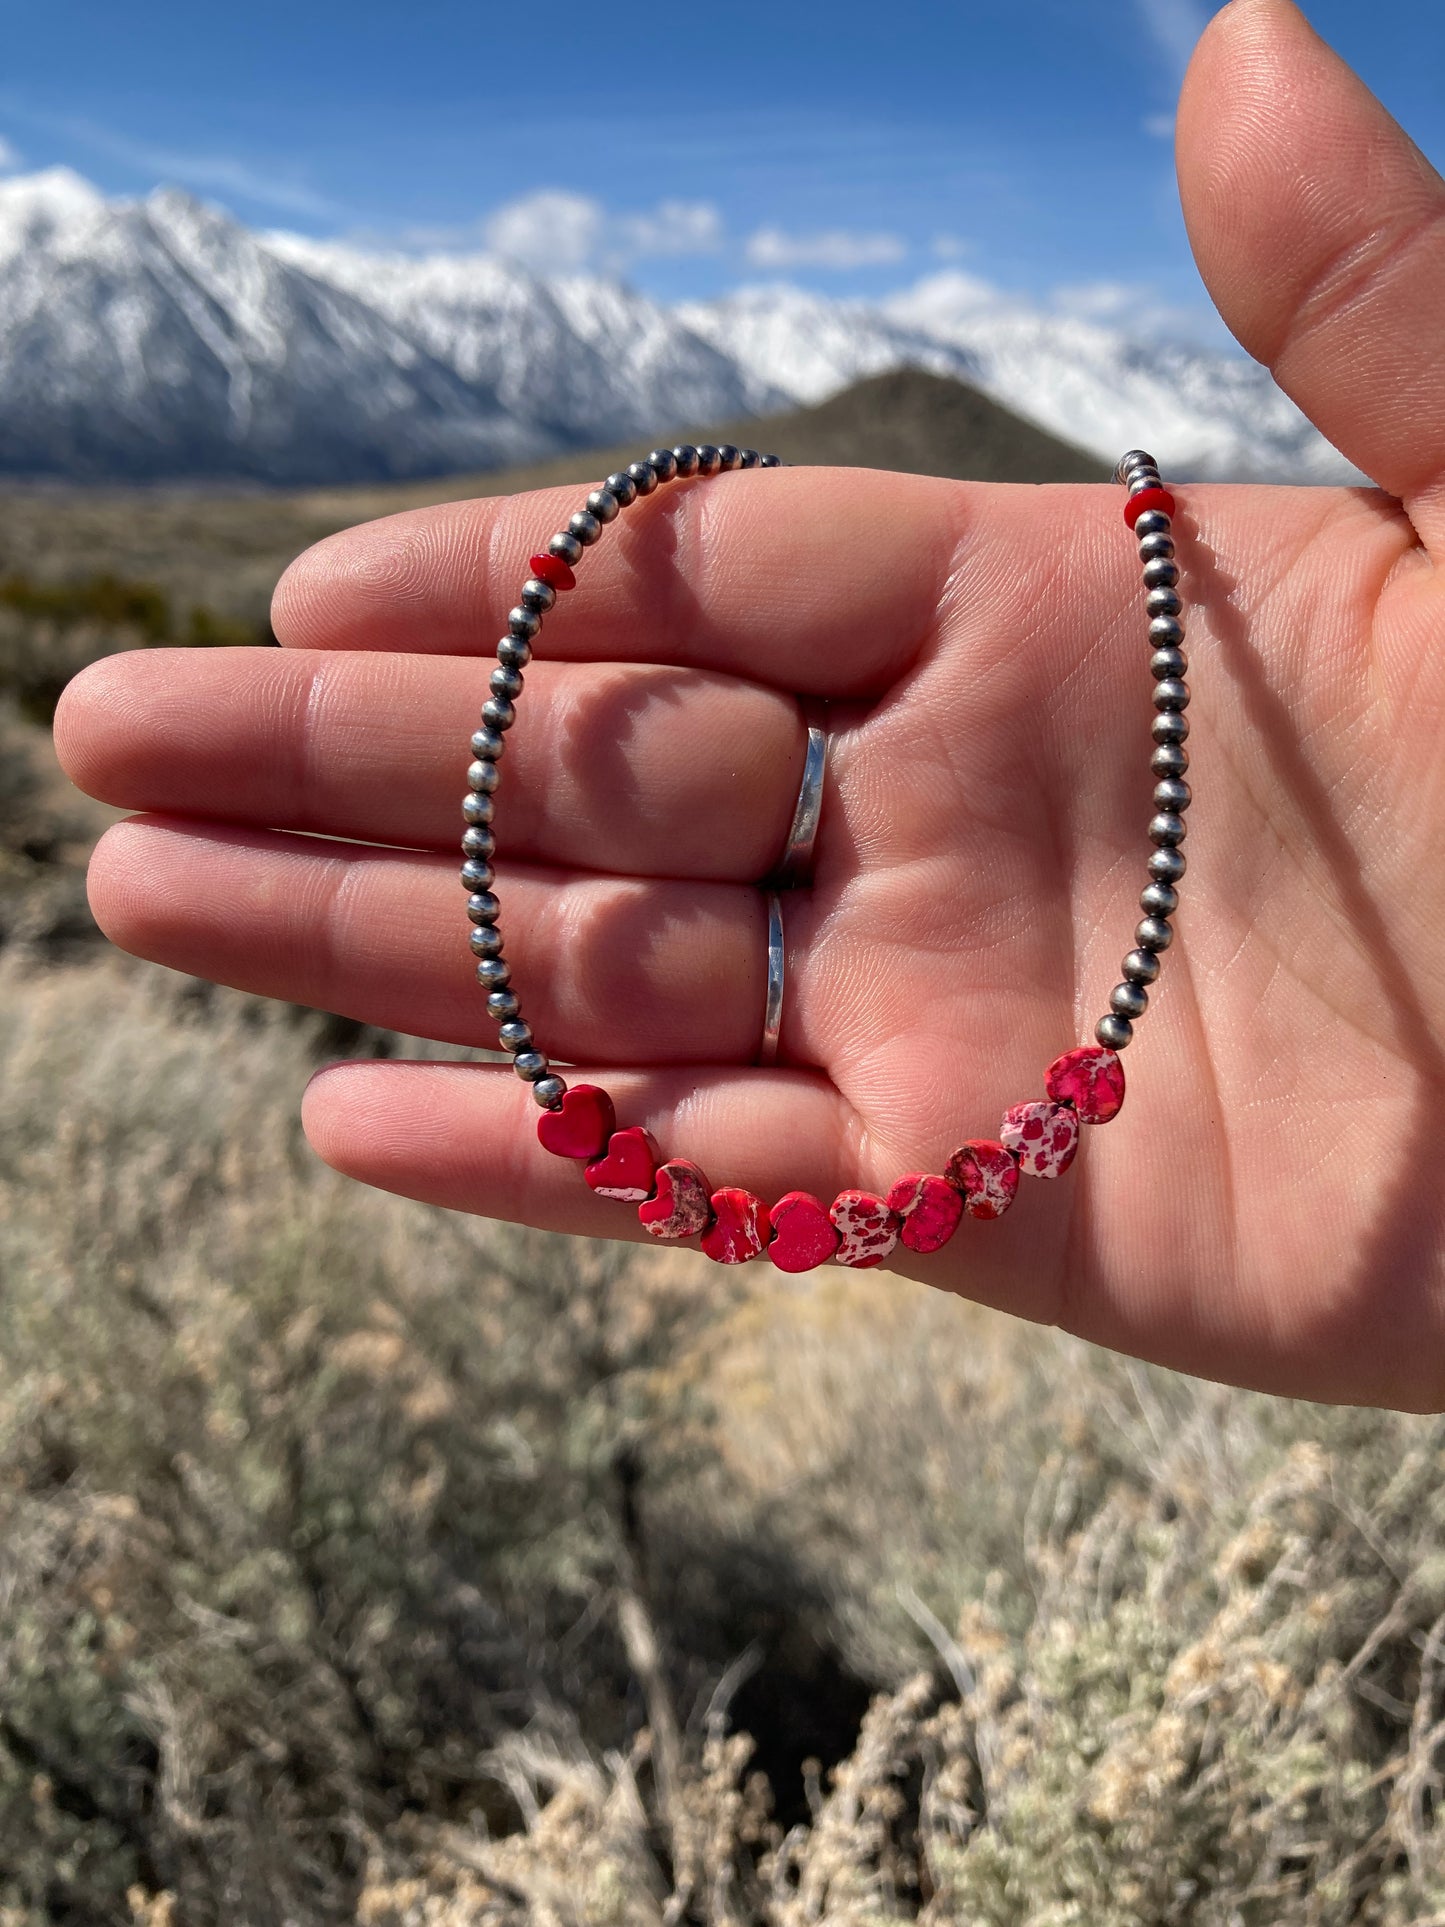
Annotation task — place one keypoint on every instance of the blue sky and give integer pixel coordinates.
(692, 148)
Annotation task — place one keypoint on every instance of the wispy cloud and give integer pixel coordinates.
(10, 155)
(554, 229)
(1160, 126)
(1173, 26)
(212, 173)
(770, 247)
(950, 247)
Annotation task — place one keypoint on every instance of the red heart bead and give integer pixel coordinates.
(740, 1228)
(930, 1208)
(803, 1234)
(582, 1126)
(1042, 1136)
(1091, 1079)
(626, 1172)
(867, 1229)
(987, 1175)
(683, 1203)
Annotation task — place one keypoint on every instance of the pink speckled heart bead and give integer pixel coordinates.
(988, 1176)
(867, 1229)
(1043, 1137)
(929, 1208)
(1091, 1079)
(682, 1204)
(740, 1229)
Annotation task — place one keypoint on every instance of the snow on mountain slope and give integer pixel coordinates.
(161, 339)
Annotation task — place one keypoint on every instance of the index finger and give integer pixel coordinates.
(820, 581)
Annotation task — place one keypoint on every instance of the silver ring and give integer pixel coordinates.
(777, 959)
(797, 859)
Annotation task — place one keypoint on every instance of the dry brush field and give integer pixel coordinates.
(365, 1562)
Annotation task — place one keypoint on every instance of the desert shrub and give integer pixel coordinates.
(365, 1562)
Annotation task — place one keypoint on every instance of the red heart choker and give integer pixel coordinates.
(1036, 1139)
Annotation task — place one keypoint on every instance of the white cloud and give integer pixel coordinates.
(950, 247)
(770, 247)
(1099, 300)
(10, 155)
(555, 229)
(1173, 26)
(1161, 126)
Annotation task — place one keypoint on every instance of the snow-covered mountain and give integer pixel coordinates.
(161, 339)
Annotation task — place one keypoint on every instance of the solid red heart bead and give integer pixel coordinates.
(867, 1229)
(682, 1205)
(627, 1167)
(1042, 1136)
(740, 1228)
(988, 1176)
(803, 1233)
(1090, 1078)
(930, 1208)
(581, 1126)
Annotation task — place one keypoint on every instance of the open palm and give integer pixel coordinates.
(1265, 1208)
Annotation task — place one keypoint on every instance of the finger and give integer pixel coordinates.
(653, 771)
(1319, 229)
(464, 1136)
(818, 580)
(611, 969)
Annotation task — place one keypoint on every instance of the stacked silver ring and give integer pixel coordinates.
(1160, 898)
(514, 652)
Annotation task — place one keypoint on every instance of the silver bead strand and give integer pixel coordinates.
(1138, 471)
(584, 528)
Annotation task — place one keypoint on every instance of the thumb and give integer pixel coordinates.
(1319, 229)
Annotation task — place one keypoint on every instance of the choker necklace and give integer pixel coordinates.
(1037, 1138)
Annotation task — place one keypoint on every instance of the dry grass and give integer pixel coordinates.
(365, 1562)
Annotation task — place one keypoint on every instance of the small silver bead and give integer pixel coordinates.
(525, 623)
(537, 594)
(498, 713)
(685, 455)
(1169, 759)
(1154, 934)
(1167, 865)
(1140, 967)
(483, 907)
(486, 941)
(476, 875)
(727, 456)
(517, 1036)
(1168, 664)
(483, 775)
(565, 546)
(1156, 548)
(1170, 726)
(1158, 900)
(644, 475)
(1169, 694)
(1113, 1031)
(747, 458)
(1167, 830)
(1129, 1000)
(1131, 459)
(603, 504)
(621, 484)
(1172, 793)
(1166, 632)
(1153, 522)
(708, 459)
(1143, 478)
(585, 526)
(530, 1065)
(494, 973)
(663, 464)
(502, 1005)
(770, 461)
(477, 805)
(1160, 573)
(1163, 602)
(513, 653)
(549, 1092)
(507, 683)
(479, 843)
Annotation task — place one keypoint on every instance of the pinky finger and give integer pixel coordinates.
(465, 1136)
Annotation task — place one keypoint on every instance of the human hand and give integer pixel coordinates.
(1262, 1210)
